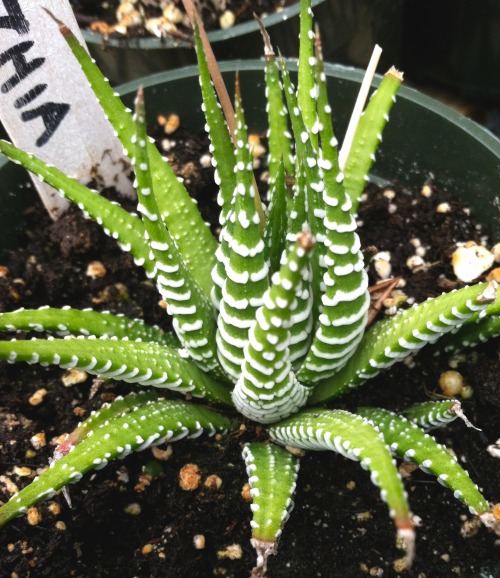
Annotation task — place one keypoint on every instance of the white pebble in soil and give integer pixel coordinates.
(470, 261)
(382, 264)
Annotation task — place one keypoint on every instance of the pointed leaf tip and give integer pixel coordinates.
(489, 294)
(139, 97)
(63, 28)
(395, 73)
(268, 47)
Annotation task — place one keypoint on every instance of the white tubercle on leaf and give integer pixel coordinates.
(46, 100)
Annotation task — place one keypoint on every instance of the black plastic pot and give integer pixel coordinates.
(423, 138)
(349, 31)
(454, 44)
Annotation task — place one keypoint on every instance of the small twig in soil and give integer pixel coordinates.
(378, 293)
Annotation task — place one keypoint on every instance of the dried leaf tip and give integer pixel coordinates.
(489, 294)
(63, 28)
(407, 538)
(456, 408)
(318, 44)
(394, 72)
(264, 549)
(237, 89)
(268, 47)
(492, 519)
(306, 240)
(139, 97)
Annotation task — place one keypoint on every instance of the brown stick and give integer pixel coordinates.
(378, 293)
(213, 67)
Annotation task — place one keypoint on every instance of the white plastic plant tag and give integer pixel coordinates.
(46, 104)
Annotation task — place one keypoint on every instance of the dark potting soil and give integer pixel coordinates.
(132, 519)
(88, 12)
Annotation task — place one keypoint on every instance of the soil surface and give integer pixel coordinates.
(132, 519)
(101, 16)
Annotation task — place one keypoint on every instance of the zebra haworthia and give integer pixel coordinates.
(267, 320)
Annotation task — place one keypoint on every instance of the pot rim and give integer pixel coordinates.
(477, 168)
(348, 73)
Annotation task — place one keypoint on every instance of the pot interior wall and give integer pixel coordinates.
(423, 138)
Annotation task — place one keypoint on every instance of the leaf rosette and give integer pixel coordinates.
(270, 319)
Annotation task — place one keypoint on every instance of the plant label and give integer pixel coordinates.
(46, 104)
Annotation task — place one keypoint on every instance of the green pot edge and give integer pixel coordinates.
(341, 71)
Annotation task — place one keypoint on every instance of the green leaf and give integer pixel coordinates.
(302, 319)
(433, 414)
(307, 89)
(392, 340)
(272, 473)
(369, 135)
(178, 210)
(149, 424)
(222, 149)
(127, 229)
(267, 389)
(278, 134)
(344, 298)
(353, 437)
(246, 271)
(478, 330)
(409, 442)
(129, 361)
(329, 143)
(307, 156)
(87, 322)
(100, 418)
(276, 223)
(193, 313)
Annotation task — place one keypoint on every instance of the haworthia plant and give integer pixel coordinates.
(278, 326)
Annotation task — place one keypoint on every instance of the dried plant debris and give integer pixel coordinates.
(165, 18)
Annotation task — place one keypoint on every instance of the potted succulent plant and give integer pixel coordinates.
(264, 323)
